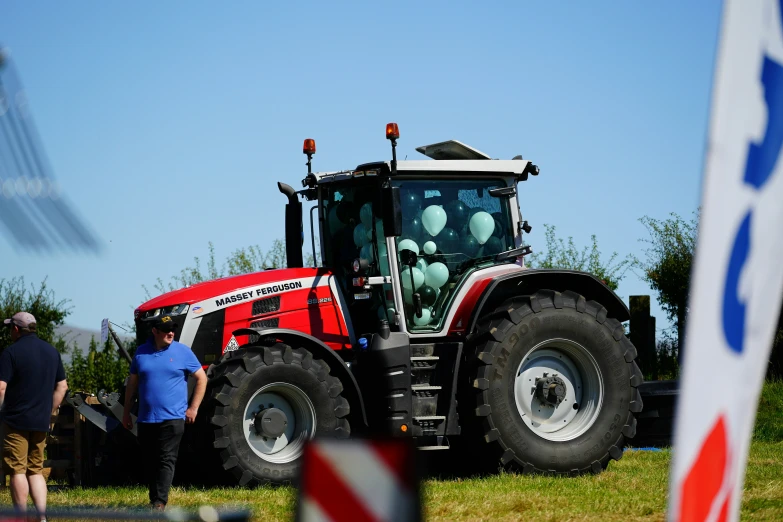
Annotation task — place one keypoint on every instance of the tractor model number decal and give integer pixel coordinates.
(266, 290)
(316, 301)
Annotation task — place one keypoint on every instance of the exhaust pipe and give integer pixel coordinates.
(294, 233)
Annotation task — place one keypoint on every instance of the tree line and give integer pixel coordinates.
(666, 267)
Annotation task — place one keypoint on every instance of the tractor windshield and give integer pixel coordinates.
(453, 225)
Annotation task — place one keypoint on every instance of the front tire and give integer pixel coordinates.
(554, 385)
(279, 386)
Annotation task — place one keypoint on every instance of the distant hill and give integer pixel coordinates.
(80, 337)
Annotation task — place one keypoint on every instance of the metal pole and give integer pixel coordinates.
(116, 338)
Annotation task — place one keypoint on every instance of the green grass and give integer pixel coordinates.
(632, 489)
(769, 419)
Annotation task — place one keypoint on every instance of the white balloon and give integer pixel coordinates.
(408, 244)
(481, 226)
(434, 219)
(436, 276)
(365, 215)
(430, 248)
(426, 316)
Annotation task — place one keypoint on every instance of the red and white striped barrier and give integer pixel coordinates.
(358, 480)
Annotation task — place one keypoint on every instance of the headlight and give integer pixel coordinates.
(171, 310)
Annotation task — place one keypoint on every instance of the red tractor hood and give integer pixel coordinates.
(201, 291)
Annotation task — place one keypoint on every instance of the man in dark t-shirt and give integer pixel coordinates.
(32, 386)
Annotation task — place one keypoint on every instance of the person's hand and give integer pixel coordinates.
(126, 420)
(190, 415)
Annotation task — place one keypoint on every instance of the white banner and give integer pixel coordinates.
(738, 270)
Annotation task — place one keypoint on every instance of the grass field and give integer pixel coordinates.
(632, 489)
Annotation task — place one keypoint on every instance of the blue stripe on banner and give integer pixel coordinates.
(733, 308)
(762, 158)
(759, 167)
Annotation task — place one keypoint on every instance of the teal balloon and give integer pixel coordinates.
(408, 244)
(379, 231)
(365, 215)
(360, 235)
(448, 241)
(428, 295)
(421, 264)
(411, 228)
(334, 221)
(493, 246)
(410, 202)
(436, 275)
(430, 247)
(383, 260)
(434, 219)
(481, 226)
(457, 213)
(367, 253)
(470, 246)
(418, 278)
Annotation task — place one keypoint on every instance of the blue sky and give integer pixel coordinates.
(168, 124)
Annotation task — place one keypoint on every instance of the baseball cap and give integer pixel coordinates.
(21, 319)
(164, 323)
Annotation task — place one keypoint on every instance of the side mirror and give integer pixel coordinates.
(391, 210)
(408, 257)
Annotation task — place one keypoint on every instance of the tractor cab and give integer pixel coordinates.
(457, 216)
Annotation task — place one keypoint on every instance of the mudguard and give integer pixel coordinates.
(336, 363)
(526, 282)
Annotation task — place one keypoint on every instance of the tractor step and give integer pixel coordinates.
(424, 388)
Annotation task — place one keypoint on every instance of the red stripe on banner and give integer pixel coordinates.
(323, 486)
(724, 511)
(397, 458)
(703, 481)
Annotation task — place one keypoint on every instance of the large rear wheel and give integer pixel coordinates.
(267, 402)
(554, 385)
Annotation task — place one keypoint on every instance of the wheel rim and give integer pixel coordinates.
(300, 414)
(577, 369)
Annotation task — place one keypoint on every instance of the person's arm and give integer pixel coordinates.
(130, 393)
(59, 394)
(3, 386)
(198, 395)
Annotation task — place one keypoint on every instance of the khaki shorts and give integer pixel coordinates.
(23, 451)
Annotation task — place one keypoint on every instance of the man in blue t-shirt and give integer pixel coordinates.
(159, 372)
(32, 386)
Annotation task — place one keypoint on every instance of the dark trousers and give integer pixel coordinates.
(159, 446)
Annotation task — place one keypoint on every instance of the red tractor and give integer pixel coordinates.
(422, 322)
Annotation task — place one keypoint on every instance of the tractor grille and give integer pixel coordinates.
(264, 323)
(265, 306)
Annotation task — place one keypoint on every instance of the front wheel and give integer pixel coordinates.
(554, 384)
(268, 401)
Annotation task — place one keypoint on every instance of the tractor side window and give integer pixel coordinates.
(453, 226)
(353, 230)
